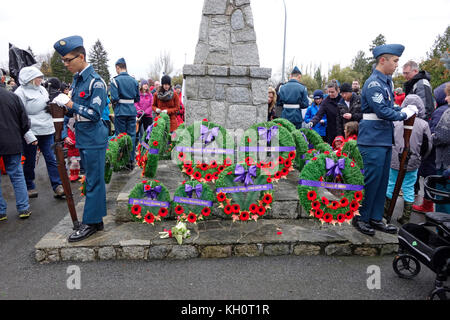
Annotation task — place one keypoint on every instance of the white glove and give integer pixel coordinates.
(164, 111)
(158, 110)
(309, 125)
(410, 111)
(61, 100)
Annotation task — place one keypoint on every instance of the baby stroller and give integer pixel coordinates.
(418, 243)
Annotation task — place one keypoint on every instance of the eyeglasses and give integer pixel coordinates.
(69, 60)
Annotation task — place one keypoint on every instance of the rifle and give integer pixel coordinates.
(404, 159)
(58, 119)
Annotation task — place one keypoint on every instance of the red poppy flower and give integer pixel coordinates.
(318, 213)
(82, 94)
(136, 209)
(189, 171)
(144, 181)
(206, 211)
(269, 180)
(197, 175)
(249, 140)
(155, 124)
(235, 208)
(354, 206)
(192, 217)
(204, 166)
(311, 150)
(326, 152)
(291, 155)
(228, 209)
(156, 180)
(155, 143)
(249, 161)
(280, 160)
(261, 211)
(315, 205)
(221, 168)
(267, 199)
(213, 164)
(352, 164)
(179, 210)
(325, 201)
(228, 162)
(253, 208)
(358, 196)
(288, 163)
(215, 175)
(311, 195)
(338, 154)
(181, 156)
(285, 171)
(335, 205)
(277, 175)
(147, 187)
(344, 202)
(349, 215)
(315, 158)
(340, 218)
(344, 154)
(221, 197)
(327, 217)
(244, 216)
(149, 218)
(208, 177)
(187, 164)
(163, 212)
(205, 120)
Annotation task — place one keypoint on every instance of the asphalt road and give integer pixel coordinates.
(260, 278)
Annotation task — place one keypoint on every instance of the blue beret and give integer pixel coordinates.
(121, 60)
(394, 49)
(296, 71)
(66, 45)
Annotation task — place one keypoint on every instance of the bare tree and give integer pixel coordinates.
(161, 65)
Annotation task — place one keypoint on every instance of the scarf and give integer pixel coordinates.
(165, 96)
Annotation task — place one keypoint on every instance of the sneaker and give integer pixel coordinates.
(3, 217)
(25, 214)
(32, 193)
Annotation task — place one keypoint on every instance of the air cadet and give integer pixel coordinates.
(375, 137)
(293, 96)
(86, 102)
(124, 93)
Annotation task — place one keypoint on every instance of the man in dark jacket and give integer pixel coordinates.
(349, 108)
(418, 82)
(14, 124)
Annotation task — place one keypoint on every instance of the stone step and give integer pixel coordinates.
(285, 206)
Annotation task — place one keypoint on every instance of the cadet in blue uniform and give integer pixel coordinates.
(293, 97)
(86, 103)
(124, 93)
(375, 137)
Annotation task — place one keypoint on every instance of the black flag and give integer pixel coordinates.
(19, 59)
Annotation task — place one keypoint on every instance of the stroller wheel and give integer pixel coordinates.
(439, 294)
(406, 266)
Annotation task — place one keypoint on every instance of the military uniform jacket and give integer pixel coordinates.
(124, 93)
(293, 93)
(89, 99)
(377, 98)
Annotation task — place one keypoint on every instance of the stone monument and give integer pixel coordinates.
(226, 84)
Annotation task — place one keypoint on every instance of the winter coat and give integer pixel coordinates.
(399, 98)
(354, 109)
(293, 93)
(35, 100)
(421, 86)
(420, 141)
(172, 106)
(310, 113)
(14, 123)
(440, 122)
(328, 107)
(145, 104)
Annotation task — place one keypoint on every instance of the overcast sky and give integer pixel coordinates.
(322, 32)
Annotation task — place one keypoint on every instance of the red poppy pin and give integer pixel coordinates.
(82, 94)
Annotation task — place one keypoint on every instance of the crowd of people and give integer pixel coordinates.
(96, 110)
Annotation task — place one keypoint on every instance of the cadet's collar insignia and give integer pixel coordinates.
(62, 43)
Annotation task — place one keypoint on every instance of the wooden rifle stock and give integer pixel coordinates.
(404, 158)
(58, 121)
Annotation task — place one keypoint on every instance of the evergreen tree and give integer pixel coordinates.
(58, 70)
(98, 58)
(318, 77)
(378, 41)
(437, 60)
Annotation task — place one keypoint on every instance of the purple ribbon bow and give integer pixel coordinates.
(244, 175)
(189, 190)
(267, 133)
(153, 192)
(334, 168)
(208, 135)
(149, 131)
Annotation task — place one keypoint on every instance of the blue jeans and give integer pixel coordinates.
(407, 185)
(127, 124)
(45, 145)
(14, 170)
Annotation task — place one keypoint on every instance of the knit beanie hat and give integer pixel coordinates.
(166, 80)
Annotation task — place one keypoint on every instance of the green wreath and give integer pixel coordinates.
(249, 201)
(301, 148)
(153, 146)
(120, 148)
(194, 153)
(254, 149)
(149, 202)
(322, 148)
(108, 165)
(285, 123)
(345, 186)
(193, 202)
(312, 137)
(350, 149)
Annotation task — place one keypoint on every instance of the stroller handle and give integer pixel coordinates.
(436, 195)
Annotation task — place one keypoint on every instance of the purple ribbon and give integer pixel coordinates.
(153, 193)
(334, 168)
(331, 185)
(189, 190)
(201, 150)
(310, 146)
(244, 175)
(149, 131)
(267, 133)
(266, 149)
(254, 188)
(148, 203)
(315, 154)
(195, 202)
(208, 135)
(151, 150)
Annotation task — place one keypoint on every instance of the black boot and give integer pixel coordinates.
(379, 225)
(363, 227)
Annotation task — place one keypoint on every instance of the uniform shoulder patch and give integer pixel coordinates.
(97, 100)
(99, 85)
(374, 84)
(377, 97)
